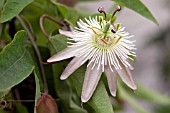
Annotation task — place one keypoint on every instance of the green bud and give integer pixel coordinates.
(106, 27)
(100, 19)
(118, 26)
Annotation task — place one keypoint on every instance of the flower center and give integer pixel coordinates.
(103, 40)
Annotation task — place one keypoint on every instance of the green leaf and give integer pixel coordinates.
(3, 94)
(38, 92)
(19, 108)
(4, 33)
(129, 99)
(36, 71)
(70, 15)
(1, 4)
(13, 8)
(63, 91)
(100, 100)
(15, 62)
(3, 111)
(137, 6)
(100, 105)
(152, 96)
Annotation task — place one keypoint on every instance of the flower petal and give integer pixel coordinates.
(126, 76)
(91, 80)
(64, 54)
(112, 79)
(72, 66)
(66, 33)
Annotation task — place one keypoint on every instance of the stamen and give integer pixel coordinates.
(118, 39)
(101, 10)
(118, 8)
(93, 30)
(103, 40)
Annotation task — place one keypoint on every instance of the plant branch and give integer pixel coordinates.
(31, 36)
(51, 18)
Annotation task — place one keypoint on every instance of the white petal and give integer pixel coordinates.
(91, 80)
(66, 33)
(112, 79)
(126, 76)
(72, 66)
(64, 54)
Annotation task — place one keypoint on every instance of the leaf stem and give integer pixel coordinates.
(6, 101)
(51, 18)
(31, 36)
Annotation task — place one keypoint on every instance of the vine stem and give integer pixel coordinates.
(31, 36)
(24, 100)
(51, 18)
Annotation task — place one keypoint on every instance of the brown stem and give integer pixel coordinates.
(29, 24)
(17, 93)
(51, 18)
(31, 36)
(20, 100)
(25, 100)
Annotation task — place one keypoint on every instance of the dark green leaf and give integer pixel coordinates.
(1, 4)
(3, 111)
(36, 67)
(19, 108)
(3, 94)
(13, 8)
(4, 33)
(63, 91)
(137, 6)
(100, 101)
(162, 109)
(70, 15)
(15, 62)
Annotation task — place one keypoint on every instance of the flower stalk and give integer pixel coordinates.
(31, 37)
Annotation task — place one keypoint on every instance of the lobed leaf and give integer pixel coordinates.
(13, 8)
(15, 62)
(137, 6)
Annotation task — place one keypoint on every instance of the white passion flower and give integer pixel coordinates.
(105, 46)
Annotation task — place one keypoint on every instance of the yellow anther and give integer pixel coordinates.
(118, 39)
(104, 41)
(93, 30)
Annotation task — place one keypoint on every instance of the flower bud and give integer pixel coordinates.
(106, 28)
(46, 104)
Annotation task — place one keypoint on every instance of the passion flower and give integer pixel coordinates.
(105, 46)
